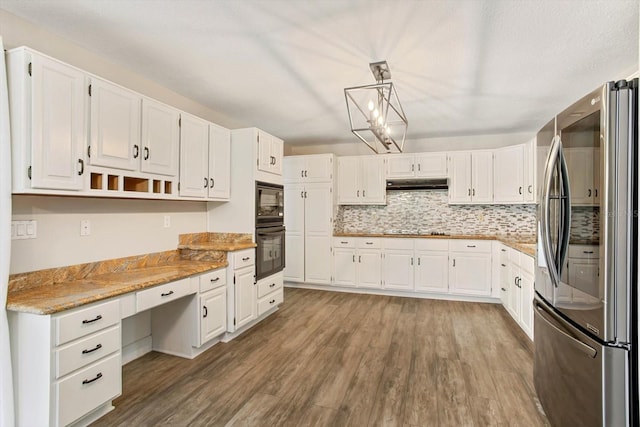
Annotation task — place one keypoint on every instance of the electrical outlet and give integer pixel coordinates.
(167, 221)
(85, 227)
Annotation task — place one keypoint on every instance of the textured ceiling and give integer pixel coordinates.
(460, 67)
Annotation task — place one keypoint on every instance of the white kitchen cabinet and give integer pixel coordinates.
(213, 314)
(583, 272)
(471, 177)
(508, 174)
(504, 275)
(160, 138)
(432, 265)
(398, 264)
(66, 366)
(583, 164)
(205, 163)
(115, 126)
(48, 122)
(270, 152)
(530, 162)
(470, 267)
(270, 293)
(308, 218)
(361, 180)
(519, 285)
(423, 165)
(357, 262)
(311, 168)
(241, 289)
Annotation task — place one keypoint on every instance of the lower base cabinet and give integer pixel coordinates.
(356, 262)
(470, 267)
(432, 265)
(270, 293)
(517, 285)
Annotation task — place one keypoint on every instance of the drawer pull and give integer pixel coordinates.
(166, 294)
(215, 280)
(343, 243)
(272, 285)
(368, 243)
(93, 379)
(91, 350)
(503, 289)
(504, 265)
(246, 258)
(503, 250)
(98, 317)
(272, 301)
(587, 252)
(471, 246)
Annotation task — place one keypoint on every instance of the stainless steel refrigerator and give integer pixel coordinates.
(586, 325)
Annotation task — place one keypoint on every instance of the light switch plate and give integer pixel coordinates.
(21, 230)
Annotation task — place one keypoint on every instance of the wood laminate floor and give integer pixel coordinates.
(338, 359)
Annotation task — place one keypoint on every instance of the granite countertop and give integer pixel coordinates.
(65, 295)
(525, 244)
(218, 246)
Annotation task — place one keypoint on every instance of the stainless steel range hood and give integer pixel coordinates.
(417, 184)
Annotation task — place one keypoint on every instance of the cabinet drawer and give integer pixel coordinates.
(87, 350)
(367, 242)
(270, 301)
(584, 251)
(159, 295)
(404, 244)
(476, 246)
(244, 258)
(269, 284)
(344, 242)
(86, 321)
(213, 279)
(87, 389)
(432, 244)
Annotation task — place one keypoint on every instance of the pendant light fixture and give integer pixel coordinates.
(375, 114)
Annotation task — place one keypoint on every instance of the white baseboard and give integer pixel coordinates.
(136, 349)
(408, 294)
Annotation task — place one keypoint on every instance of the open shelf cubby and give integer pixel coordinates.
(112, 182)
(96, 181)
(140, 185)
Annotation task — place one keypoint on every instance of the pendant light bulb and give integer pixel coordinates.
(380, 121)
(376, 113)
(370, 105)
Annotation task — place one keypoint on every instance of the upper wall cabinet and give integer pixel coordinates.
(584, 166)
(361, 180)
(219, 162)
(160, 138)
(270, 152)
(514, 174)
(312, 168)
(115, 126)
(48, 122)
(530, 161)
(471, 177)
(423, 165)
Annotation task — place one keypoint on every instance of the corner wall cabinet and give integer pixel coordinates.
(308, 218)
(471, 177)
(361, 180)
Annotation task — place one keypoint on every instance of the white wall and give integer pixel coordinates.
(453, 143)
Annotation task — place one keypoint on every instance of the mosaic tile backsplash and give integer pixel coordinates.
(422, 212)
(585, 224)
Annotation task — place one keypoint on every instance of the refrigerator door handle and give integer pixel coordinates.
(576, 343)
(563, 241)
(554, 153)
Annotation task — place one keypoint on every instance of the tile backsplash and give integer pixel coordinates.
(428, 211)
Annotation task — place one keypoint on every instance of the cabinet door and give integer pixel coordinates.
(294, 203)
(581, 174)
(58, 125)
(213, 314)
(344, 267)
(115, 126)
(530, 171)
(265, 159)
(194, 156)
(318, 232)
(508, 174)
(460, 177)
(369, 268)
(348, 181)
(470, 274)
(513, 304)
(160, 138)
(432, 271)
(277, 151)
(318, 168)
(373, 180)
(245, 297)
(505, 285)
(596, 176)
(526, 302)
(293, 168)
(482, 177)
(431, 165)
(219, 163)
(400, 166)
(398, 269)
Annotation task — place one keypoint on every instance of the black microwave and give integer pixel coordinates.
(269, 204)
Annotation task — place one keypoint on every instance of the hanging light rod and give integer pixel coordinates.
(376, 116)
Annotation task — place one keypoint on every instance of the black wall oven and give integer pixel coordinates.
(269, 229)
